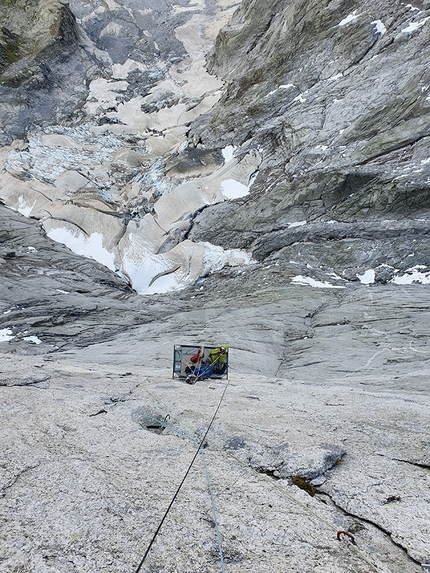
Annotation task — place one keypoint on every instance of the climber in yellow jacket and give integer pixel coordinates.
(218, 358)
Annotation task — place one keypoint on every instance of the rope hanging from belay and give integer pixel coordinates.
(198, 450)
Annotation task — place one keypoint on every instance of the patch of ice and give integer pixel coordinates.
(286, 86)
(150, 273)
(380, 28)
(197, 5)
(300, 98)
(23, 208)
(49, 163)
(348, 19)
(91, 246)
(297, 224)
(308, 281)
(414, 26)
(252, 178)
(412, 8)
(215, 257)
(112, 5)
(228, 153)
(143, 269)
(112, 29)
(232, 189)
(32, 249)
(335, 77)
(121, 71)
(103, 94)
(424, 161)
(6, 335)
(62, 291)
(368, 277)
(32, 339)
(413, 275)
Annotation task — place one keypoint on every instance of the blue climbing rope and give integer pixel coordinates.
(198, 450)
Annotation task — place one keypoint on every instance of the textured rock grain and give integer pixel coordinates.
(117, 137)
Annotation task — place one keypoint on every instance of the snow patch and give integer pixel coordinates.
(413, 275)
(32, 339)
(143, 269)
(380, 28)
(412, 8)
(228, 153)
(414, 26)
(91, 247)
(215, 257)
(337, 277)
(300, 98)
(152, 273)
(348, 19)
(297, 224)
(232, 189)
(308, 281)
(23, 208)
(121, 71)
(6, 335)
(368, 277)
(281, 87)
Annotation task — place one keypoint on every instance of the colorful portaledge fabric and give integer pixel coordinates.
(201, 361)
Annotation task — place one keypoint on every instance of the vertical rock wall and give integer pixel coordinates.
(336, 97)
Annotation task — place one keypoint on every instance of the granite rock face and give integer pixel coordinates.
(323, 428)
(43, 68)
(342, 125)
(285, 189)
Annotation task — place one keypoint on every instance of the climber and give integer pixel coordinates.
(216, 363)
(196, 362)
(217, 360)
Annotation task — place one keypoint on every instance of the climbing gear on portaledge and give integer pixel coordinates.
(201, 373)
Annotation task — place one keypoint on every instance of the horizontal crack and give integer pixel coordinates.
(30, 381)
(416, 464)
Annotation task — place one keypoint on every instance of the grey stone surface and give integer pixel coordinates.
(324, 426)
(323, 384)
(343, 130)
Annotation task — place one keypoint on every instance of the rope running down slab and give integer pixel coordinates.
(202, 441)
